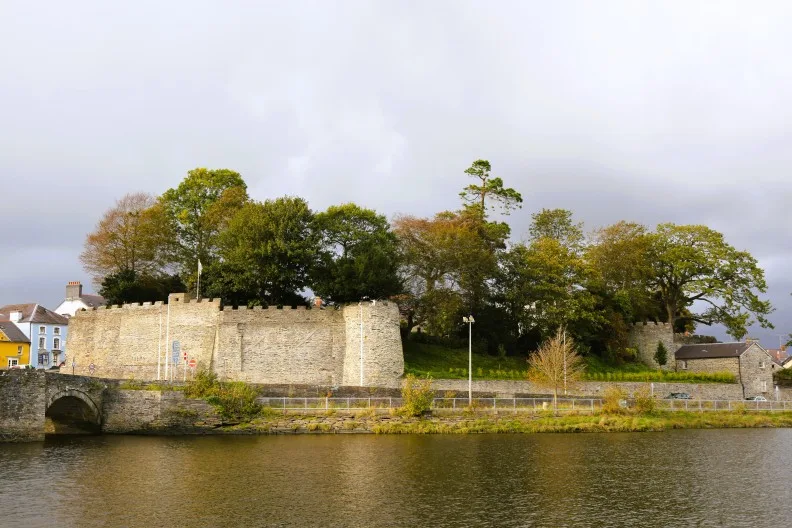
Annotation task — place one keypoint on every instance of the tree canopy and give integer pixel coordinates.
(437, 268)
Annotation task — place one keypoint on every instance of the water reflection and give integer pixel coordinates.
(680, 478)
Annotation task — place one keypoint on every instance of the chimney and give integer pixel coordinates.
(15, 316)
(73, 291)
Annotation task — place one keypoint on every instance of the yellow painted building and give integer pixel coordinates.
(14, 346)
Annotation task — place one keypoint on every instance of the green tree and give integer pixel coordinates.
(266, 254)
(557, 224)
(129, 286)
(661, 354)
(693, 263)
(359, 256)
(197, 211)
(488, 188)
(619, 259)
(543, 288)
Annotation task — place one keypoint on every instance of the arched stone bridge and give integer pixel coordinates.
(33, 403)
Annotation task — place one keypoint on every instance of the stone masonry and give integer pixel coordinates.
(301, 346)
(753, 369)
(645, 336)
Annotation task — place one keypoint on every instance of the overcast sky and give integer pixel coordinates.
(643, 111)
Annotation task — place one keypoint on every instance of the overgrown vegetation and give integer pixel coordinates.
(663, 376)
(597, 423)
(234, 401)
(417, 396)
(614, 401)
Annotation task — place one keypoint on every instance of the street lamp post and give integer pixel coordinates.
(469, 320)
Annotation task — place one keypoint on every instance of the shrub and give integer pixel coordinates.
(644, 401)
(612, 402)
(661, 354)
(233, 401)
(417, 395)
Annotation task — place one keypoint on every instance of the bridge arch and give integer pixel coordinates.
(72, 411)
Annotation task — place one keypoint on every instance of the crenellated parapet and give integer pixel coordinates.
(258, 344)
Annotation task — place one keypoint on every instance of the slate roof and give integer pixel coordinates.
(32, 313)
(712, 350)
(92, 300)
(13, 333)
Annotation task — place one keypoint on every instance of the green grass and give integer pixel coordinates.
(597, 423)
(424, 360)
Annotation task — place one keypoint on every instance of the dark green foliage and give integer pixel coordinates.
(266, 254)
(661, 354)
(127, 286)
(358, 258)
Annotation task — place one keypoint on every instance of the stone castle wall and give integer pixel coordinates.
(645, 336)
(308, 346)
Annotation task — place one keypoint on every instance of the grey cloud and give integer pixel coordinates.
(617, 110)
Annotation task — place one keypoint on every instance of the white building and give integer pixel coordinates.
(75, 300)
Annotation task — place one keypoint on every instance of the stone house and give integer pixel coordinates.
(751, 364)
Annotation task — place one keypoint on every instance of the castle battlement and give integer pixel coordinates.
(292, 344)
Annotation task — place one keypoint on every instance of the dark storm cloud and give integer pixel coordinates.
(643, 111)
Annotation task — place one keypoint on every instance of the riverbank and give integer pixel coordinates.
(471, 423)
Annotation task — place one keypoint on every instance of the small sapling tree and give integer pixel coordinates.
(556, 363)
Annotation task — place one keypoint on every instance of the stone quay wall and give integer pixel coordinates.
(23, 403)
(300, 346)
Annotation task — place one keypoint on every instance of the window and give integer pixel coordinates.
(13, 362)
(19, 350)
(683, 365)
(761, 364)
(42, 329)
(56, 330)
(43, 359)
(56, 343)
(764, 386)
(42, 343)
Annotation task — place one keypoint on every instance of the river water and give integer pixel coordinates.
(677, 478)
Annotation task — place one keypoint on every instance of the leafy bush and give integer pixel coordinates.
(613, 401)
(417, 395)
(783, 376)
(234, 401)
(644, 401)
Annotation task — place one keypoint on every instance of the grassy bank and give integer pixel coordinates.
(590, 424)
(439, 362)
(332, 423)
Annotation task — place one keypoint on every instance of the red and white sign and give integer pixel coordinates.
(193, 363)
